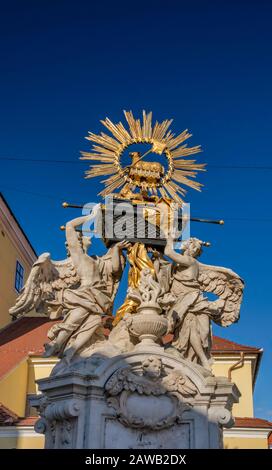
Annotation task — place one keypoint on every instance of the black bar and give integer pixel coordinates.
(92, 458)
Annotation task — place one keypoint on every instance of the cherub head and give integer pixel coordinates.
(152, 367)
(193, 247)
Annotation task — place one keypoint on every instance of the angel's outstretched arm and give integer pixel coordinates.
(179, 258)
(117, 254)
(74, 245)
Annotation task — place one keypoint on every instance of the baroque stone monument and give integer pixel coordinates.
(132, 388)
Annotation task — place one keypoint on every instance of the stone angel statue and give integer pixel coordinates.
(78, 291)
(191, 313)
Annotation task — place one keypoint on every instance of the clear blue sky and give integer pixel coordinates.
(67, 64)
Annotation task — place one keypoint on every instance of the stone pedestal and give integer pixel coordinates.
(145, 399)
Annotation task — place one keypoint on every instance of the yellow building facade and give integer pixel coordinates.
(16, 259)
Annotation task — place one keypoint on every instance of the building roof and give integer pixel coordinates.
(252, 423)
(7, 417)
(221, 345)
(28, 421)
(20, 338)
(27, 335)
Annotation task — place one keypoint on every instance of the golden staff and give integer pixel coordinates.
(62, 227)
(192, 219)
(207, 221)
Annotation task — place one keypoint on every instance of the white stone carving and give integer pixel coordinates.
(163, 397)
(78, 290)
(144, 397)
(117, 436)
(130, 389)
(58, 421)
(82, 288)
(148, 324)
(191, 313)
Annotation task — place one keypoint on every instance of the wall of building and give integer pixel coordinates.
(15, 437)
(13, 389)
(245, 443)
(9, 254)
(38, 368)
(242, 377)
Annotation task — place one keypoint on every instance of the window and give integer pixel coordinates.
(19, 277)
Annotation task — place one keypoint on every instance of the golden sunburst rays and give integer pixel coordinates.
(107, 151)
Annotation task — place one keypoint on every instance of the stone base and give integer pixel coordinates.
(140, 400)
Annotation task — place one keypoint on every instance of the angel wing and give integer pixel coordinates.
(228, 286)
(46, 279)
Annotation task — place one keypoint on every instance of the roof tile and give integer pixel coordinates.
(252, 423)
(222, 345)
(29, 421)
(7, 417)
(25, 336)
